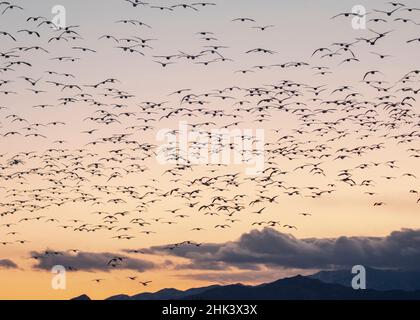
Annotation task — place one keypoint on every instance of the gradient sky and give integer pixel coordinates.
(300, 28)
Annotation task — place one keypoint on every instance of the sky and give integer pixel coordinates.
(344, 223)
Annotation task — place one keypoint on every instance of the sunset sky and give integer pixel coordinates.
(344, 228)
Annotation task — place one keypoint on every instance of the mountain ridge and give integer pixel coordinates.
(293, 288)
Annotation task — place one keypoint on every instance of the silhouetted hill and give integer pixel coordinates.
(82, 297)
(376, 279)
(299, 288)
(296, 288)
(165, 294)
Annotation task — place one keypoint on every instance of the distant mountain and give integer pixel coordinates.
(382, 280)
(165, 294)
(82, 297)
(296, 288)
(300, 288)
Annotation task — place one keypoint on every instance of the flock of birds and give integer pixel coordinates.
(36, 184)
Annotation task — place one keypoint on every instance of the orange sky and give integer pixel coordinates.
(348, 212)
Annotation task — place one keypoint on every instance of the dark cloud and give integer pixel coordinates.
(7, 264)
(87, 261)
(272, 249)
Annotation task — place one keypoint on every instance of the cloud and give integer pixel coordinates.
(7, 264)
(272, 249)
(87, 261)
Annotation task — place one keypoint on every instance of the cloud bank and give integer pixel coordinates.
(7, 264)
(270, 248)
(87, 261)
